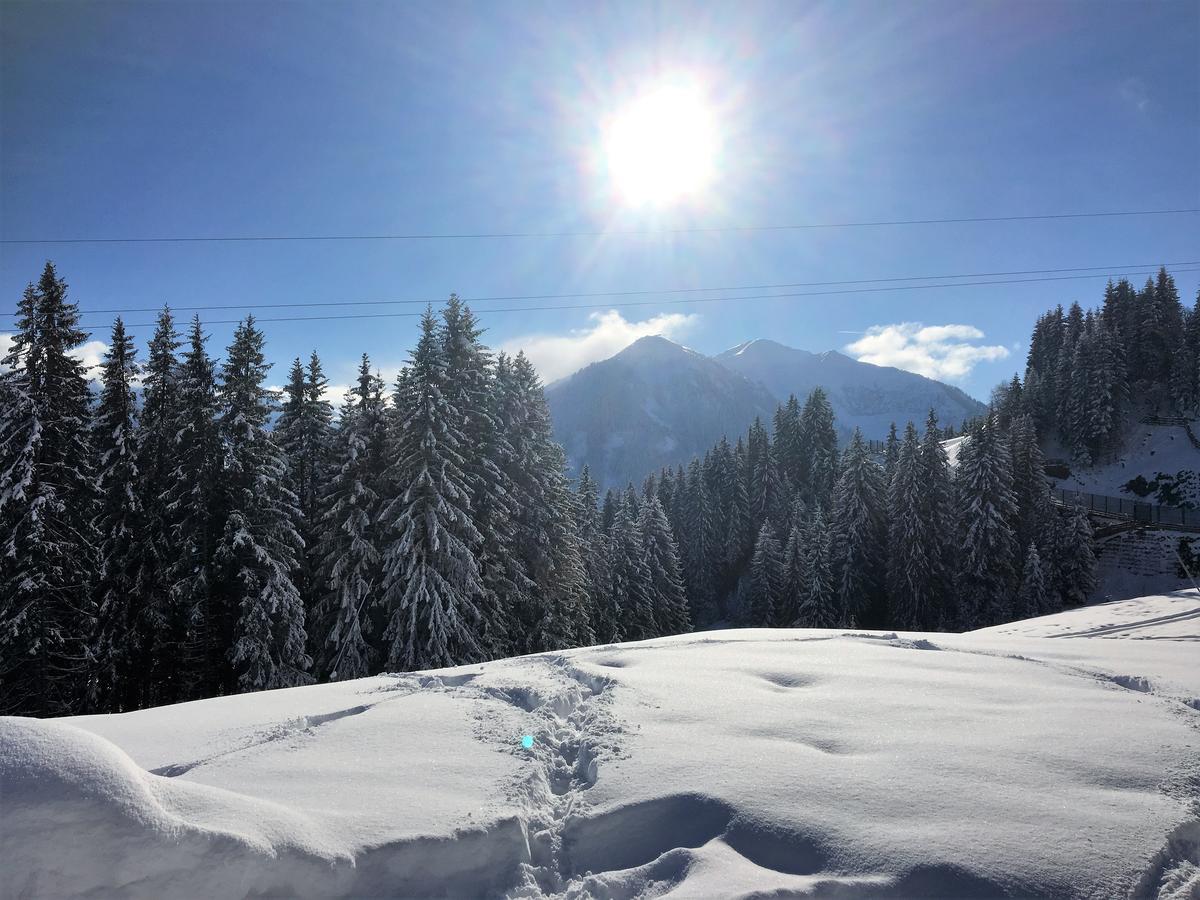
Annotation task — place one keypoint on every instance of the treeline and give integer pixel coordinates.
(1087, 372)
(782, 530)
(207, 541)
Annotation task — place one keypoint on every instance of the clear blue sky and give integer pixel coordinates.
(178, 118)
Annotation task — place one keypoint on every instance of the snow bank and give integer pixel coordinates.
(731, 763)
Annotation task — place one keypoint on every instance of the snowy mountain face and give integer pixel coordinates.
(863, 395)
(654, 404)
(658, 404)
(1057, 757)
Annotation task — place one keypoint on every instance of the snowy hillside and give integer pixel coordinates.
(863, 396)
(653, 404)
(813, 763)
(1162, 455)
(624, 418)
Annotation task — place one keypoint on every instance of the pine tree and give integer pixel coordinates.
(819, 440)
(937, 518)
(432, 587)
(191, 653)
(546, 540)
(891, 453)
(349, 551)
(157, 545)
(857, 532)
(987, 550)
(913, 558)
(595, 550)
(258, 552)
(766, 579)
(124, 634)
(817, 601)
(1032, 598)
(47, 502)
(699, 548)
(1076, 558)
(303, 433)
(662, 560)
(489, 402)
(630, 608)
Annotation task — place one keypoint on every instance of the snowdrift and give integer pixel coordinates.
(732, 763)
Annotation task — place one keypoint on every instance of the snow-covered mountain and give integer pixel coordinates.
(654, 404)
(863, 395)
(1051, 758)
(657, 403)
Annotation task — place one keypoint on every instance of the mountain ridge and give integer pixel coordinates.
(658, 403)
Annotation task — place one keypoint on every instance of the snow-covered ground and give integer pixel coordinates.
(1058, 757)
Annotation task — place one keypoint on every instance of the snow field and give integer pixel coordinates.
(730, 763)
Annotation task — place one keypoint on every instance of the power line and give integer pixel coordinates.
(717, 229)
(640, 303)
(637, 293)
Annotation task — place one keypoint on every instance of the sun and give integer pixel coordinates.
(661, 149)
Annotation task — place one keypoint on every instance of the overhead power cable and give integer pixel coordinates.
(636, 293)
(481, 235)
(671, 302)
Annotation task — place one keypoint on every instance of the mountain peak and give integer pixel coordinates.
(654, 347)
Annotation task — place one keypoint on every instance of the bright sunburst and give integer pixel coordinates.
(662, 148)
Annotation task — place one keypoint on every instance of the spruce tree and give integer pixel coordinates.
(303, 433)
(662, 560)
(47, 505)
(987, 549)
(157, 545)
(350, 571)
(545, 539)
(193, 641)
(630, 609)
(125, 631)
(1032, 598)
(258, 551)
(817, 600)
(857, 531)
(432, 588)
(913, 557)
(767, 579)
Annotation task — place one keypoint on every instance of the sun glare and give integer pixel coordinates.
(662, 148)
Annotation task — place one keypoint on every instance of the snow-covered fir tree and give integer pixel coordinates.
(432, 587)
(157, 546)
(987, 572)
(914, 557)
(47, 504)
(767, 579)
(662, 561)
(192, 653)
(858, 532)
(258, 552)
(545, 539)
(124, 630)
(817, 604)
(350, 570)
(1032, 598)
(303, 432)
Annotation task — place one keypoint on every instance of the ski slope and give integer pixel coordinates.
(1058, 757)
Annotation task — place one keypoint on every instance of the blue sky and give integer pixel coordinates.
(290, 118)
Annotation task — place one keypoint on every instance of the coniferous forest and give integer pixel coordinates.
(184, 532)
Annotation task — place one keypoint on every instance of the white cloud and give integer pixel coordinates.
(937, 351)
(557, 355)
(91, 353)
